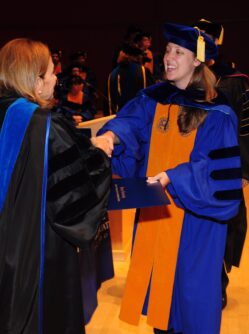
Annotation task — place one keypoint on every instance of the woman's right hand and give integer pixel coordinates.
(161, 177)
(105, 143)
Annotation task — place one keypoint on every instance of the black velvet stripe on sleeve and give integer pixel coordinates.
(226, 174)
(233, 194)
(77, 208)
(68, 184)
(78, 184)
(63, 159)
(224, 153)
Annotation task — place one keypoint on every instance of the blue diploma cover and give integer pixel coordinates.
(128, 193)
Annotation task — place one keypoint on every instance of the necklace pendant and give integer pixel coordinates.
(163, 124)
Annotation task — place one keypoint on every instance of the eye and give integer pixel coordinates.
(179, 52)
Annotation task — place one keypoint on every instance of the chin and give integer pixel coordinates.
(170, 77)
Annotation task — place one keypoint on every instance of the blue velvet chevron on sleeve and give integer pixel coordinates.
(209, 184)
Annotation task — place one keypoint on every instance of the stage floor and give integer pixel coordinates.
(235, 317)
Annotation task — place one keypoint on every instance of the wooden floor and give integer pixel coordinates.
(235, 317)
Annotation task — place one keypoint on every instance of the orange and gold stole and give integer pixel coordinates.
(158, 232)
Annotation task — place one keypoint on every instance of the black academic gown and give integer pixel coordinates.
(233, 85)
(40, 288)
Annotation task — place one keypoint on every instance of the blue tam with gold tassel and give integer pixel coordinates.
(192, 39)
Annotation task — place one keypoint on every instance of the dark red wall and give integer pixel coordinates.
(98, 26)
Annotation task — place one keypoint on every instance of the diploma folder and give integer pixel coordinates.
(129, 193)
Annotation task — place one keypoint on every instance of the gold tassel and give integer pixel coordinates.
(109, 95)
(203, 20)
(221, 37)
(200, 50)
(119, 86)
(144, 76)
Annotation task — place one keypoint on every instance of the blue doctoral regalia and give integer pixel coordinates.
(207, 188)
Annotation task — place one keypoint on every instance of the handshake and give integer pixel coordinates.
(105, 142)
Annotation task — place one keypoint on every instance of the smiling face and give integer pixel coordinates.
(180, 64)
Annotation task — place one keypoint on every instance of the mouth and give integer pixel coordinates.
(170, 68)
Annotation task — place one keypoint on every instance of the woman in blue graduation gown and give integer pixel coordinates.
(183, 127)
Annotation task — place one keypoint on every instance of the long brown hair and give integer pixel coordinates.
(190, 118)
(203, 80)
(22, 62)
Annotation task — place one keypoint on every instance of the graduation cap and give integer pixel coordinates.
(192, 39)
(214, 29)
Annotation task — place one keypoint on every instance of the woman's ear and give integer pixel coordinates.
(197, 62)
(38, 86)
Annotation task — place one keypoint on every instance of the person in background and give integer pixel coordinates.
(233, 84)
(63, 79)
(56, 55)
(76, 103)
(143, 41)
(183, 134)
(119, 55)
(127, 78)
(151, 60)
(80, 58)
(54, 192)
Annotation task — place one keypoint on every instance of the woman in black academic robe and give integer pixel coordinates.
(54, 195)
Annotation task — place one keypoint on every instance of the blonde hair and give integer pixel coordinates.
(22, 62)
(191, 118)
(204, 79)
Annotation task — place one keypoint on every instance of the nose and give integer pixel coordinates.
(168, 55)
(166, 58)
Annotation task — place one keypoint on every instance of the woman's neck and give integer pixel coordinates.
(181, 84)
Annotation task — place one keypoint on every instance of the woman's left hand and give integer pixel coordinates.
(161, 177)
